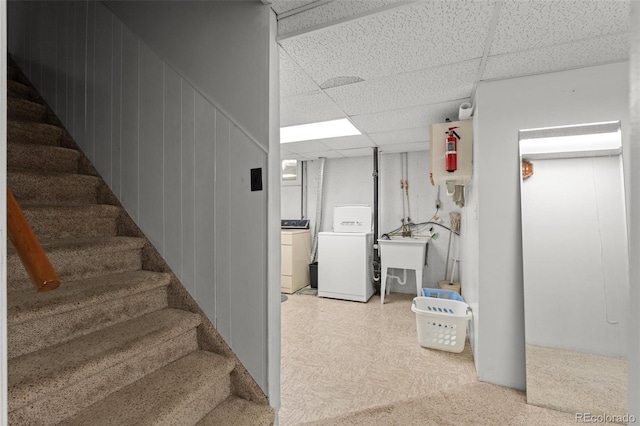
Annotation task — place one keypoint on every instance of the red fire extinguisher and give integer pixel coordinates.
(451, 150)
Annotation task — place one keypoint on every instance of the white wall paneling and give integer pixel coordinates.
(150, 149)
(179, 165)
(129, 118)
(503, 108)
(172, 176)
(205, 132)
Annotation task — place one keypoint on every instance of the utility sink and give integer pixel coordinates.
(403, 253)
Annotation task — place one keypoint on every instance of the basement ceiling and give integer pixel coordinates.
(394, 67)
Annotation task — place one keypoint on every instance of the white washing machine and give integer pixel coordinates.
(345, 256)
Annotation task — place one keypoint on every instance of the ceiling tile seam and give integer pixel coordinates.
(347, 19)
(575, 67)
(325, 93)
(301, 9)
(460, 100)
(400, 74)
(400, 130)
(564, 43)
(487, 48)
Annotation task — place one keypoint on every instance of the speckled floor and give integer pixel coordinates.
(340, 357)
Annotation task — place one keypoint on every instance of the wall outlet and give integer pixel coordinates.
(256, 179)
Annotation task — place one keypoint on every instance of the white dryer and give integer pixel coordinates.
(345, 256)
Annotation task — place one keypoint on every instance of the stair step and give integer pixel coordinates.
(42, 158)
(36, 188)
(22, 91)
(181, 393)
(64, 222)
(34, 133)
(37, 320)
(25, 110)
(80, 258)
(76, 363)
(243, 413)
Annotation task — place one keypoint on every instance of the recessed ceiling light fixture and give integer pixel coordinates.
(319, 130)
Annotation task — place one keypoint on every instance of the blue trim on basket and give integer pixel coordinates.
(441, 294)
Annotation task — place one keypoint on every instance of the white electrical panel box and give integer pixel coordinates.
(440, 148)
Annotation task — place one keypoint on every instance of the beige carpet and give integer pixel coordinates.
(350, 363)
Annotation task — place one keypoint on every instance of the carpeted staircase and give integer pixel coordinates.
(120, 342)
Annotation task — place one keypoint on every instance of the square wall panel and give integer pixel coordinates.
(292, 79)
(422, 35)
(555, 58)
(308, 108)
(536, 23)
(427, 86)
(417, 134)
(408, 117)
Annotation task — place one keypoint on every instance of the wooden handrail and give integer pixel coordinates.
(31, 254)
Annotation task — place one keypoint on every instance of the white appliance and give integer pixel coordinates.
(345, 256)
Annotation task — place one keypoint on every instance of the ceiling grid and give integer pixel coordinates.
(394, 67)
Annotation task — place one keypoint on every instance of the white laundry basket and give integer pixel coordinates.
(441, 321)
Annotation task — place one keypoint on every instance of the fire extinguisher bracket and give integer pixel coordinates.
(450, 152)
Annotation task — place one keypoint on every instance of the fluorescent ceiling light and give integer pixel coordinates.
(574, 143)
(319, 130)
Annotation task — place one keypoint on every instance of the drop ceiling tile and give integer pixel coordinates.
(428, 86)
(555, 58)
(306, 146)
(425, 34)
(348, 142)
(332, 11)
(404, 147)
(537, 23)
(292, 157)
(405, 118)
(293, 80)
(327, 154)
(308, 108)
(281, 6)
(356, 152)
(417, 134)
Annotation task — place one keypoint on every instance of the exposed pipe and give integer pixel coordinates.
(402, 281)
(406, 185)
(376, 249)
(316, 228)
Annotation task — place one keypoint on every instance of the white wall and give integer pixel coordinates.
(504, 107)
(574, 243)
(633, 206)
(193, 36)
(350, 181)
(177, 162)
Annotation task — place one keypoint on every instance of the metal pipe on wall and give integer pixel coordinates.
(318, 224)
(376, 251)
